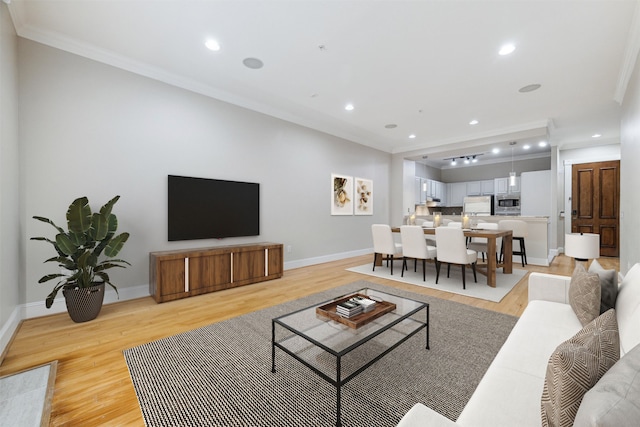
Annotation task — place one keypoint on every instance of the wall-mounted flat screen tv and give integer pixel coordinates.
(201, 208)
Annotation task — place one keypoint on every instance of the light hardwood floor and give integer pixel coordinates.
(93, 387)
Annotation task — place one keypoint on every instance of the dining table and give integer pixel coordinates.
(492, 264)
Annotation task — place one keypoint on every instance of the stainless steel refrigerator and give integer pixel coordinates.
(479, 205)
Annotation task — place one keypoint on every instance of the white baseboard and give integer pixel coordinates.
(9, 328)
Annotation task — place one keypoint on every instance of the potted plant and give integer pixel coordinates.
(86, 250)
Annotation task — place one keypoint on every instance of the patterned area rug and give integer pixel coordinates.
(220, 375)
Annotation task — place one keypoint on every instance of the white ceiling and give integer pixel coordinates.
(427, 66)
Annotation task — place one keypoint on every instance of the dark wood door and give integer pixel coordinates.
(595, 203)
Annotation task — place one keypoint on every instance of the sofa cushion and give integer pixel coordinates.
(608, 285)
(628, 310)
(584, 294)
(576, 366)
(615, 400)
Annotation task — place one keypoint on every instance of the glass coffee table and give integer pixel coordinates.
(339, 349)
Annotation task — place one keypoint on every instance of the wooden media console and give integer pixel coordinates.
(188, 272)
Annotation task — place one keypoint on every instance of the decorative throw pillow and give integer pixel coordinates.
(584, 294)
(608, 285)
(576, 366)
(613, 401)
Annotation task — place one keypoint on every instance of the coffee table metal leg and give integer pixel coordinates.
(338, 387)
(427, 328)
(273, 346)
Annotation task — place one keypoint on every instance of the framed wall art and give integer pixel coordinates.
(341, 195)
(363, 197)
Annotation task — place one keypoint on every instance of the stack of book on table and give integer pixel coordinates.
(355, 306)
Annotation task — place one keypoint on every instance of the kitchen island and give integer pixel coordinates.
(537, 242)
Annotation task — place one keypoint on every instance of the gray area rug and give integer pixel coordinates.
(220, 375)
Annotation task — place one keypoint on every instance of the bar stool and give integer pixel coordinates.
(520, 231)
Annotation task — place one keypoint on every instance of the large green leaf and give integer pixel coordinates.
(99, 227)
(50, 276)
(48, 221)
(116, 244)
(65, 244)
(78, 239)
(79, 216)
(106, 209)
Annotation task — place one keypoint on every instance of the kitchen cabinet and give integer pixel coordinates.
(502, 186)
(417, 190)
(440, 191)
(474, 188)
(487, 187)
(457, 193)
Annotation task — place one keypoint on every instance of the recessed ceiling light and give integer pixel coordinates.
(466, 161)
(529, 88)
(412, 136)
(474, 160)
(542, 144)
(507, 49)
(473, 122)
(495, 150)
(453, 162)
(391, 126)
(349, 107)
(212, 45)
(596, 135)
(526, 146)
(253, 63)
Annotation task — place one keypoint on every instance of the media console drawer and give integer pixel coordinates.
(188, 272)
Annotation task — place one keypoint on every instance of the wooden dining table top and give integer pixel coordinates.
(468, 232)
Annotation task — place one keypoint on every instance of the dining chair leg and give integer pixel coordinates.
(448, 269)
(424, 270)
(404, 265)
(473, 267)
(375, 257)
(391, 265)
(437, 270)
(415, 265)
(464, 276)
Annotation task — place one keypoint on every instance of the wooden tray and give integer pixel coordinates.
(329, 311)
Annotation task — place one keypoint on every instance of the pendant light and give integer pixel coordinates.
(512, 174)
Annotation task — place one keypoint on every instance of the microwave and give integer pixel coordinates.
(509, 202)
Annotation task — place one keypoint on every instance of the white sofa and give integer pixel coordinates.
(510, 392)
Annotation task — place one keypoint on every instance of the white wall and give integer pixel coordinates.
(10, 239)
(91, 129)
(630, 174)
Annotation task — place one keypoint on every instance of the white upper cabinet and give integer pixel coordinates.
(488, 187)
(474, 188)
(457, 193)
(502, 186)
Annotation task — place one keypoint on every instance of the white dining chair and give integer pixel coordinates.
(452, 249)
(384, 244)
(415, 246)
(480, 244)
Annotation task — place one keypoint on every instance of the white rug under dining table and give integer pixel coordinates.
(453, 284)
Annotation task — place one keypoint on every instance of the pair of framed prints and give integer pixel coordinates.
(351, 196)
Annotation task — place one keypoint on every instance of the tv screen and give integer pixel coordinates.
(201, 208)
